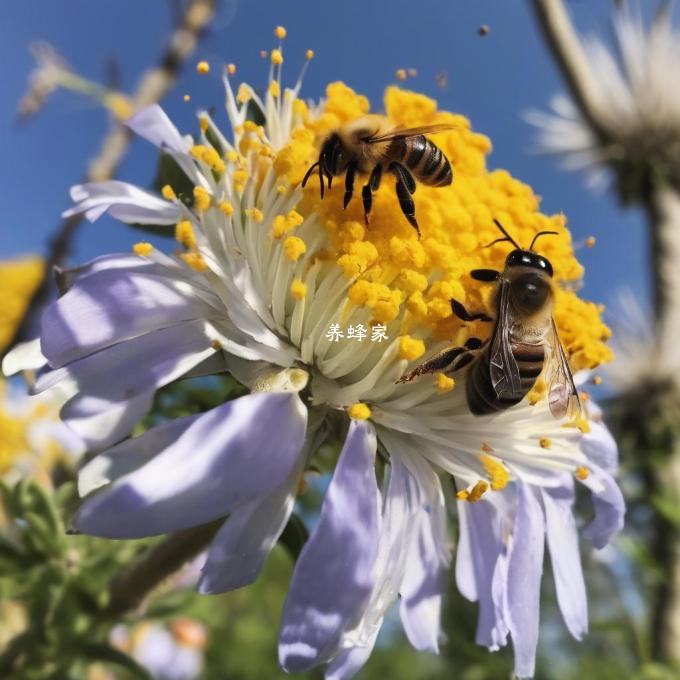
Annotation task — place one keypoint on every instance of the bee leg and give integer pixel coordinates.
(408, 207)
(464, 315)
(439, 363)
(367, 198)
(367, 192)
(349, 184)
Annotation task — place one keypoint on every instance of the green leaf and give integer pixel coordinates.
(107, 654)
(51, 513)
(41, 535)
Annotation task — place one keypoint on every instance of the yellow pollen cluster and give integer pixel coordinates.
(474, 494)
(203, 67)
(143, 249)
(244, 93)
(208, 155)
(298, 289)
(444, 382)
(590, 242)
(240, 179)
(227, 208)
(168, 193)
(498, 473)
(201, 199)
(276, 57)
(401, 277)
(255, 214)
(282, 224)
(309, 55)
(195, 261)
(119, 104)
(184, 234)
(545, 443)
(19, 279)
(582, 473)
(280, 32)
(359, 412)
(537, 392)
(274, 88)
(410, 348)
(294, 248)
(231, 69)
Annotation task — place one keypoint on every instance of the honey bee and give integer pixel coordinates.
(369, 145)
(524, 342)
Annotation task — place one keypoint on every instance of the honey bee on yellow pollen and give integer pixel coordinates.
(370, 146)
(524, 342)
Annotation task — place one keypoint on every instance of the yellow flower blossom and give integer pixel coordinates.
(19, 279)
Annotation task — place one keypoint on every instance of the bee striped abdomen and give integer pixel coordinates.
(481, 395)
(424, 159)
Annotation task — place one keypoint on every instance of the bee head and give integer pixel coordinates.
(528, 258)
(333, 157)
(525, 258)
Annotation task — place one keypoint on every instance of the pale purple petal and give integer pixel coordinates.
(426, 564)
(236, 452)
(350, 661)
(126, 202)
(111, 306)
(525, 570)
(238, 551)
(334, 574)
(480, 573)
(609, 504)
(137, 365)
(565, 558)
(599, 446)
(101, 422)
(153, 124)
(130, 455)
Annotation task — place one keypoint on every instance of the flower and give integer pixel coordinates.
(266, 277)
(640, 138)
(172, 651)
(32, 438)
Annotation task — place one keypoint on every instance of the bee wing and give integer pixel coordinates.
(401, 133)
(562, 393)
(503, 367)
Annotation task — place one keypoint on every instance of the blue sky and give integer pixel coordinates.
(491, 79)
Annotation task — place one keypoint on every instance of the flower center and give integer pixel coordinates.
(400, 278)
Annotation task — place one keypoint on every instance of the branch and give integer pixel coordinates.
(153, 86)
(131, 587)
(566, 48)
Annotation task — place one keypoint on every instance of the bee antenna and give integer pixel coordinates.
(540, 233)
(498, 240)
(505, 233)
(308, 174)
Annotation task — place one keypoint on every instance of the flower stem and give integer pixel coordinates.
(566, 48)
(130, 588)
